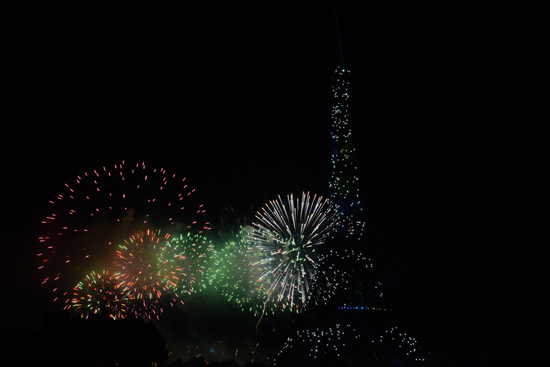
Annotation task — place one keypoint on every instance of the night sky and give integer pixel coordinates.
(446, 104)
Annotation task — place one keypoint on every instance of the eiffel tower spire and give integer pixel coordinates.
(344, 183)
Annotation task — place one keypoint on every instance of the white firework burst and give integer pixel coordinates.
(286, 236)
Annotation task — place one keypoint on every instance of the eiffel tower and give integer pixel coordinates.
(344, 183)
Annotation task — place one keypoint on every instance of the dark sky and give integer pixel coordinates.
(446, 103)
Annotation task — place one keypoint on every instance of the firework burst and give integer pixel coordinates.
(233, 275)
(100, 293)
(104, 206)
(193, 252)
(286, 237)
(152, 269)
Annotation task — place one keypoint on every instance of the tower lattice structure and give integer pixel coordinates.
(344, 183)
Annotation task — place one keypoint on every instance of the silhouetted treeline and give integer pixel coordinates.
(199, 361)
(100, 341)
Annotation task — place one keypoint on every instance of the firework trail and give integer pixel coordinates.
(104, 206)
(100, 293)
(286, 237)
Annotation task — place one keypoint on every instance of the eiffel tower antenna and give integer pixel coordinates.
(338, 33)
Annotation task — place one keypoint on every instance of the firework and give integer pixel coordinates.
(104, 206)
(192, 253)
(151, 269)
(286, 237)
(233, 275)
(100, 293)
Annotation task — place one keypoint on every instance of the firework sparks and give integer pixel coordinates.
(103, 206)
(286, 237)
(192, 252)
(152, 270)
(233, 276)
(100, 293)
